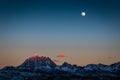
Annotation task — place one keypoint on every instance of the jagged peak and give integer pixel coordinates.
(36, 61)
(35, 56)
(66, 64)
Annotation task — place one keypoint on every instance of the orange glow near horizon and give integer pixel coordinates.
(81, 57)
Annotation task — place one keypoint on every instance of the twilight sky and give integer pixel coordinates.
(56, 26)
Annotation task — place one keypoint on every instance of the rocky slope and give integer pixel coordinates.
(43, 68)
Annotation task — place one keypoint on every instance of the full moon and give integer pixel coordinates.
(83, 13)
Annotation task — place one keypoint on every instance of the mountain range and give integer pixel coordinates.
(43, 68)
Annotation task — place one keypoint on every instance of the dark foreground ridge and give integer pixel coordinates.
(43, 68)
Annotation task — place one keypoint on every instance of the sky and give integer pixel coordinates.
(53, 27)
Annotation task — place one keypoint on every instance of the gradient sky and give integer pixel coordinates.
(56, 26)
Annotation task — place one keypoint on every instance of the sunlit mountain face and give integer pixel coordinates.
(43, 68)
(80, 37)
(86, 31)
(37, 62)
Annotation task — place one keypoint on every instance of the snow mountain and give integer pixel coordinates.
(43, 68)
(37, 62)
(101, 67)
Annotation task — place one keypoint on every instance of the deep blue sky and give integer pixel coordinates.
(56, 26)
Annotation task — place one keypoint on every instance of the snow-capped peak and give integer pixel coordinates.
(36, 56)
(37, 62)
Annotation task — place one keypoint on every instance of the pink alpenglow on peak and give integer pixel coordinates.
(36, 56)
(37, 62)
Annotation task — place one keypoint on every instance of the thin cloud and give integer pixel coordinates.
(34, 51)
(62, 55)
(110, 57)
